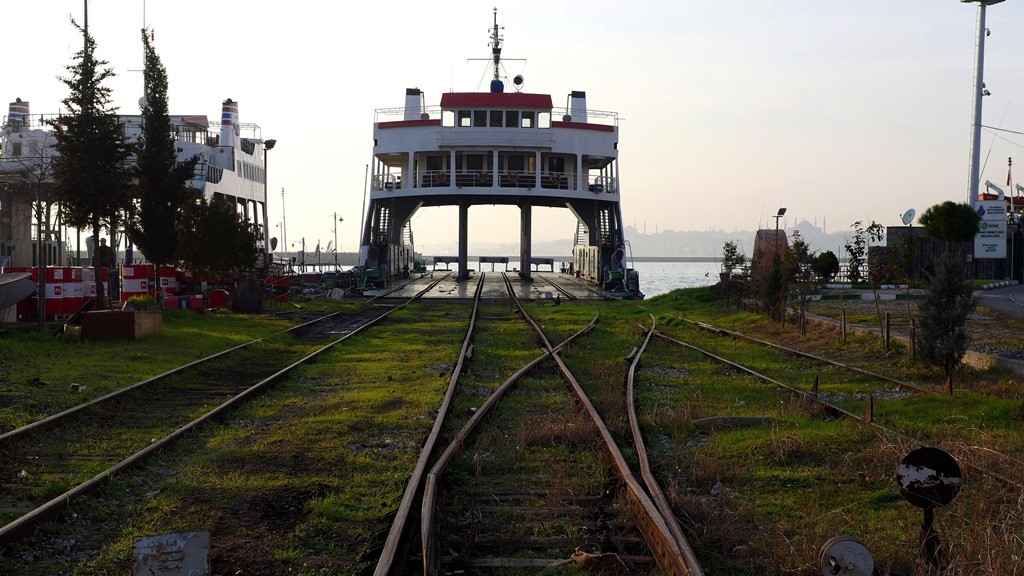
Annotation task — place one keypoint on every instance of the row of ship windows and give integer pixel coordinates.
(495, 119)
(251, 171)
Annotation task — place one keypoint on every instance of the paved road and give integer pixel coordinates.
(1008, 300)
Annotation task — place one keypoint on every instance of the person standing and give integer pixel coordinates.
(108, 262)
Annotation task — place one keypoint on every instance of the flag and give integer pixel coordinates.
(1008, 171)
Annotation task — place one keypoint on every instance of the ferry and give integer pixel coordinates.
(497, 147)
(232, 167)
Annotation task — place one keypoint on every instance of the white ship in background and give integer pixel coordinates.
(232, 167)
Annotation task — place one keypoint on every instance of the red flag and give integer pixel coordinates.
(1008, 171)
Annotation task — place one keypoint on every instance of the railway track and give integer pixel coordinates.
(524, 483)
(988, 457)
(74, 452)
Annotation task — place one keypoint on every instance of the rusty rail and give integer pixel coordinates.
(673, 555)
(829, 407)
(657, 494)
(22, 525)
(794, 352)
(398, 534)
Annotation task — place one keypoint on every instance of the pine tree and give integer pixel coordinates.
(91, 173)
(162, 180)
(942, 335)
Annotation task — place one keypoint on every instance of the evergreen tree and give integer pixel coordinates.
(951, 222)
(942, 336)
(162, 180)
(234, 248)
(91, 173)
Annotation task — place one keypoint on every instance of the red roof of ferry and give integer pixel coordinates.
(494, 99)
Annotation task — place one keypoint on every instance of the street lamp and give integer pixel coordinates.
(979, 92)
(782, 212)
(336, 249)
(268, 145)
(302, 254)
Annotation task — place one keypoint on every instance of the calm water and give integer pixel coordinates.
(662, 277)
(655, 277)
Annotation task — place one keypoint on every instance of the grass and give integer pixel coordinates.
(305, 478)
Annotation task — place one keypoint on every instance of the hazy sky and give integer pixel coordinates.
(839, 110)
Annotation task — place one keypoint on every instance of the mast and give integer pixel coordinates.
(496, 47)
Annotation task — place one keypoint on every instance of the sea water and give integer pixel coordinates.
(655, 277)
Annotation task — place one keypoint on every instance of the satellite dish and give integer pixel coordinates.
(908, 216)
(143, 103)
(847, 556)
(273, 244)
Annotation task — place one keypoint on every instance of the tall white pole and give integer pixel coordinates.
(979, 67)
(284, 231)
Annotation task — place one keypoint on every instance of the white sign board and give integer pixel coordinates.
(991, 239)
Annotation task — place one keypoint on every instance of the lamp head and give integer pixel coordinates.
(269, 144)
(782, 212)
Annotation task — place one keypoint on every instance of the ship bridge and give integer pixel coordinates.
(494, 148)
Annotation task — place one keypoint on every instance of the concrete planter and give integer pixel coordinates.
(115, 325)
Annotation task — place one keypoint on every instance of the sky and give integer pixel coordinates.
(839, 110)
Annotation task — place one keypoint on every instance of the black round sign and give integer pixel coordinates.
(928, 477)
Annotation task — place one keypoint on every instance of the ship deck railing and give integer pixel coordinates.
(505, 179)
(434, 113)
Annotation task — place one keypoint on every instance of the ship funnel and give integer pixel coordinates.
(578, 106)
(229, 123)
(413, 103)
(17, 113)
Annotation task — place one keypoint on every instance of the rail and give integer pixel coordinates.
(24, 524)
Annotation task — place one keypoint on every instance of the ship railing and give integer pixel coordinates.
(387, 182)
(204, 172)
(602, 185)
(397, 114)
(593, 116)
(558, 180)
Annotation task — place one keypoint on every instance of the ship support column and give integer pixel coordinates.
(525, 239)
(463, 241)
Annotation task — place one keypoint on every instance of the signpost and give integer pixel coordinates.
(991, 239)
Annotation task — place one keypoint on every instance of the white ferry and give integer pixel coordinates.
(512, 148)
(232, 167)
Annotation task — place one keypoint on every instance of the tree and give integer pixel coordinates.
(732, 257)
(942, 337)
(825, 266)
(214, 239)
(91, 173)
(162, 180)
(951, 223)
(857, 248)
(799, 274)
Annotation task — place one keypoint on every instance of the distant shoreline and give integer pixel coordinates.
(430, 258)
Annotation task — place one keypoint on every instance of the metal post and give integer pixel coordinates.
(979, 89)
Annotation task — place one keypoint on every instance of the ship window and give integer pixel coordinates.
(465, 121)
(511, 118)
(447, 118)
(527, 120)
(474, 162)
(516, 163)
(435, 162)
(480, 118)
(544, 120)
(496, 118)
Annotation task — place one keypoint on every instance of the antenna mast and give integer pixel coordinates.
(496, 46)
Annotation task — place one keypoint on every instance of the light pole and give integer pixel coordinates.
(268, 145)
(302, 254)
(336, 248)
(979, 92)
(284, 231)
(782, 212)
